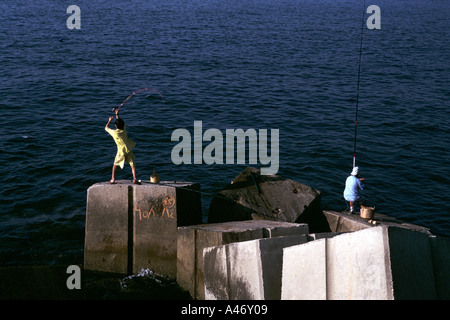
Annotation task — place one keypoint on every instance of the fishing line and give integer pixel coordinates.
(136, 92)
(357, 89)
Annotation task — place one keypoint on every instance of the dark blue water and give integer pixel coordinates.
(289, 65)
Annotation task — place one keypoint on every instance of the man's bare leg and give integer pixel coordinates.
(114, 168)
(133, 170)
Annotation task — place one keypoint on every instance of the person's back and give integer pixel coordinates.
(353, 185)
(120, 136)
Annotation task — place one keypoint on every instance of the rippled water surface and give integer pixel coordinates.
(289, 65)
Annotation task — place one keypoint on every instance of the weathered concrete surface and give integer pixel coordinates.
(304, 272)
(130, 227)
(317, 236)
(107, 226)
(248, 270)
(343, 222)
(192, 240)
(254, 196)
(375, 263)
(440, 252)
(155, 233)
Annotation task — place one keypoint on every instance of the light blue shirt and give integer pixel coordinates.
(352, 187)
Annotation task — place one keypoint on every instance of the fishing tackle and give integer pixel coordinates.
(357, 90)
(117, 109)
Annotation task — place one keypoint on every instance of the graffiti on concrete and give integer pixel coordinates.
(168, 204)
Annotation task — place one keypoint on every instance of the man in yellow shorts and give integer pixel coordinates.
(124, 147)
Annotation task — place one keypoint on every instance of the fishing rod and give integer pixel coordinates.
(357, 89)
(117, 109)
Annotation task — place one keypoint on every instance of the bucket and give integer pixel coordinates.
(154, 178)
(367, 212)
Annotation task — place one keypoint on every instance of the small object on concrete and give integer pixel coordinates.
(154, 178)
(367, 212)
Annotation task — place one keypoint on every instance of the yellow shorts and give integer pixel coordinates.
(120, 159)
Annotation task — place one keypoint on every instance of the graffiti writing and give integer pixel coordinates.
(168, 204)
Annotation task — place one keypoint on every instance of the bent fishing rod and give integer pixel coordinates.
(357, 89)
(117, 109)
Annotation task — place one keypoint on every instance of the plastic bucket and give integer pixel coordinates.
(367, 212)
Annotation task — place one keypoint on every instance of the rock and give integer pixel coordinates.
(252, 196)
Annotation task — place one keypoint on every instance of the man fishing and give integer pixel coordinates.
(353, 185)
(124, 147)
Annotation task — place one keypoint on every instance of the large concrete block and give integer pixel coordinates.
(159, 209)
(254, 196)
(344, 222)
(304, 271)
(440, 252)
(107, 228)
(358, 266)
(193, 239)
(191, 242)
(130, 227)
(249, 270)
(311, 259)
(382, 263)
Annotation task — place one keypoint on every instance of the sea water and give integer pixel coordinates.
(288, 65)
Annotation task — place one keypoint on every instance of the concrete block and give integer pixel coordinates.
(358, 266)
(382, 263)
(273, 229)
(342, 222)
(440, 252)
(271, 255)
(249, 270)
(304, 271)
(159, 209)
(130, 227)
(215, 260)
(411, 264)
(193, 239)
(317, 236)
(244, 272)
(191, 242)
(107, 226)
